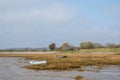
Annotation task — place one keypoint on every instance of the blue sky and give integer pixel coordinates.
(37, 23)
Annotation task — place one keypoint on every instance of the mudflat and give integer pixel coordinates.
(11, 69)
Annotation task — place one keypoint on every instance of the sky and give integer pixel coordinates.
(37, 23)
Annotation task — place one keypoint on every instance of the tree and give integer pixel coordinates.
(118, 46)
(66, 46)
(111, 45)
(86, 45)
(52, 46)
(98, 45)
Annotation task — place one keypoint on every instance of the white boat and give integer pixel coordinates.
(37, 61)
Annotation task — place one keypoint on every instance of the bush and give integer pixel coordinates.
(66, 46)
(111, 45)
(98, 45)
(52, 46)
(86, 45)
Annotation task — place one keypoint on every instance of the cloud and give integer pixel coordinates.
(44, 21)
(51, 14)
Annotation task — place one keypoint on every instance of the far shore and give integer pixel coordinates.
(57, 52)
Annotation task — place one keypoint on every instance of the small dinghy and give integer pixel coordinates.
(37, 61)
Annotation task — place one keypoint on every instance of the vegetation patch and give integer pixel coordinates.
(72, 61)
(78, 78)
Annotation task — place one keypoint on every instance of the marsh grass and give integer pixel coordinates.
(101, 50)
(78, 78)
(72, 61)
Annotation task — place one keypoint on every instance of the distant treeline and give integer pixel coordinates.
(65, 46)
(23, 49)
(83, 45)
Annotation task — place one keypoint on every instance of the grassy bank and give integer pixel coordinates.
(72, 60)
(101, 50)
(75, 61)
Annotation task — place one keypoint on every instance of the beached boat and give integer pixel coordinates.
(37, 61)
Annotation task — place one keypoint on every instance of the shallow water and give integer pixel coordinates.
(11, 69)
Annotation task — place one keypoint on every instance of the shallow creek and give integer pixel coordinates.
(11, 69)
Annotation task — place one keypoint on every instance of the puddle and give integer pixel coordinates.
(10, 69)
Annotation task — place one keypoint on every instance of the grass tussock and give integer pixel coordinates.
(72, 61)
(78, 78)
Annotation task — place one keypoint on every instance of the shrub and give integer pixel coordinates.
(86, 45)
(66, 46)
(52, 46)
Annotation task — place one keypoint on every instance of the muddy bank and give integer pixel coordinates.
(10, 69)
(27, 52)
(57, 52)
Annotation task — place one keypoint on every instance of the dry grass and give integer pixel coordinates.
(78, 78)
(72, 60)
